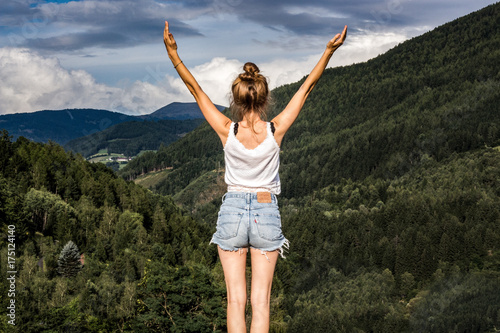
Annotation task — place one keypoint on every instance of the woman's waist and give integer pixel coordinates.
(274, 188)
(250, 197)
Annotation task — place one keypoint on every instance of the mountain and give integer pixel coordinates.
(179, 111)
(62, 126)
(132, 137)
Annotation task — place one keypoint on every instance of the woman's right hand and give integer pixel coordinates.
(169, 40)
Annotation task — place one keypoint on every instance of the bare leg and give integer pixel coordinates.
(262, 279)
(234, 264)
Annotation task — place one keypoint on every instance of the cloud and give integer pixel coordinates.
(215, 78)
(321, 17)
(111, 24)
(31, 82)
(12, 10)
(78, 25)
(77, 41)
(279, 36)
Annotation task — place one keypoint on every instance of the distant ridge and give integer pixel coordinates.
(178, 111)
(132, 137)
(62, 126)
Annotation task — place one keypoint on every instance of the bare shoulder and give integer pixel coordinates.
(276, 121)
(279, 131)
(225, 133)
(227, 125)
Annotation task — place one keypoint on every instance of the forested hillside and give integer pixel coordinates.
(370, 256)
(132, 137)
(420, 253)
(138, 249)
(391, 204)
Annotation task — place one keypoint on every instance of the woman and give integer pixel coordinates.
(249, 216)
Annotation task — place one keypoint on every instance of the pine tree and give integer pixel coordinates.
(69, 260)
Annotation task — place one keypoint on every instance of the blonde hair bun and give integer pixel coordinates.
(251, 71)
(250, 92)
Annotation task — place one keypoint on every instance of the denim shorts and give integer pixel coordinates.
(244, 222)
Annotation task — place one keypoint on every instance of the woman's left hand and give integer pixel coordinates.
(169, 40)
(337, 41)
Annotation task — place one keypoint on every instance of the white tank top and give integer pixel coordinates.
(252, 170)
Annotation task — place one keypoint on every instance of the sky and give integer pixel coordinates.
(109, 54)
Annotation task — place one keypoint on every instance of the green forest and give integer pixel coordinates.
(390, 200)
(132, 137)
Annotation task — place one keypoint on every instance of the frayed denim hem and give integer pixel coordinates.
(223, 248)
(285, 246)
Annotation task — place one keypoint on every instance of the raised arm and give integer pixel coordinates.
(219, 122)
(285, 119)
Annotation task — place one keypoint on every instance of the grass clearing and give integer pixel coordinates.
(150, 179)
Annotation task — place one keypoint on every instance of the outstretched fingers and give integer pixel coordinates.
(334, 39)
(344, 34)
(338, 40)
(168, 38)
(341, 37)
(166, 32)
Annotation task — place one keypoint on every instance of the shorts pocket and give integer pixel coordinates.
(228, 225)
(269, 226)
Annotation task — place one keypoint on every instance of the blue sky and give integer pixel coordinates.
(110, 54)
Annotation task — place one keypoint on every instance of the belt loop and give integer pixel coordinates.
(224, 197)
(275, 198)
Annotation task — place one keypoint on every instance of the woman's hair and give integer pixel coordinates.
(249, 92)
